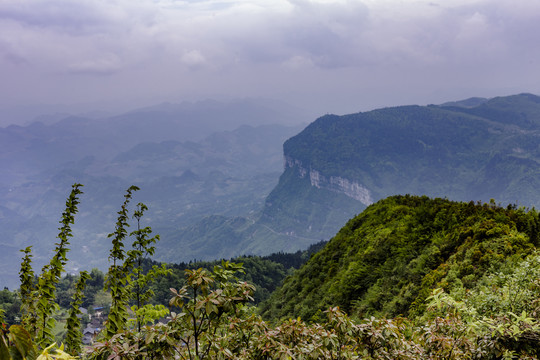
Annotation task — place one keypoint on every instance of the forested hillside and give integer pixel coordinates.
(387, 260)
(265, 273)
(218, 198)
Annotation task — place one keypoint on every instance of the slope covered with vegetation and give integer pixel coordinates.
(387, 260)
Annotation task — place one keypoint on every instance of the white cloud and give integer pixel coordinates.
(193, 59)
(298, 62)
(104, 65)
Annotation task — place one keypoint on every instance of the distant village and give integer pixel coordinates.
(95, 324)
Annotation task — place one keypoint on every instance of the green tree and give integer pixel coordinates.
(38, 300)
(207, 303)
(27, 292)
(51, 273)
(117, 277)
(93, 286)
(73, 323)
(10, 307)
(139, 283)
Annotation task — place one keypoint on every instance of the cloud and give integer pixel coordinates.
(77, 17)
(106, 65)
(265, 46)
(10, 54)
(298, 62)
(14, 58)
(193, 59)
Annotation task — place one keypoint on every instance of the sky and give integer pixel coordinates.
(332, 56)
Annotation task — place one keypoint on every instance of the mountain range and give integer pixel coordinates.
(219, 195)
(475, 149)
(190, 160)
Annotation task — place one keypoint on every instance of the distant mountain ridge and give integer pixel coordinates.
(224, 168)
(472, 150)
(467, 103)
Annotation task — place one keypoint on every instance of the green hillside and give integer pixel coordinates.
(433, 150)
(522, 110)
(386, 261)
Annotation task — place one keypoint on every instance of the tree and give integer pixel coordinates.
(74, 334)
(139, 283)
(207, 304)
(117, 276)
(39, 299)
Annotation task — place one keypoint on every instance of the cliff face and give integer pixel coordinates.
(350, 188)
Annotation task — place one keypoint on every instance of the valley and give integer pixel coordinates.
(184, 176)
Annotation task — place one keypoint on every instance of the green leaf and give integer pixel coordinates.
(22, 340)
(4, 350)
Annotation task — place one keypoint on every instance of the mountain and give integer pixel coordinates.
(386, 261)
(471, 150)
(222, 169)
(218, 195)
(467, 103)
(475, 149)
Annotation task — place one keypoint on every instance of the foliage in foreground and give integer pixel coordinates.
(214, 321)
(495, 316)
(17, 343)
(125, 281)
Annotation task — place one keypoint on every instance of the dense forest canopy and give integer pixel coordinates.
(387, 260)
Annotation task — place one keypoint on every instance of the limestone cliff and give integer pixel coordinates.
(348, 187)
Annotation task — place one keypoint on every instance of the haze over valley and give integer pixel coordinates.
(190, 160)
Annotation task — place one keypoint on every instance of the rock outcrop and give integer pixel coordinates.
(351, 188)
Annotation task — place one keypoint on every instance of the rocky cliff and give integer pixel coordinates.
(338, 184)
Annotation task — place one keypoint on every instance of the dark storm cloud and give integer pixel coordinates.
(76, 17)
